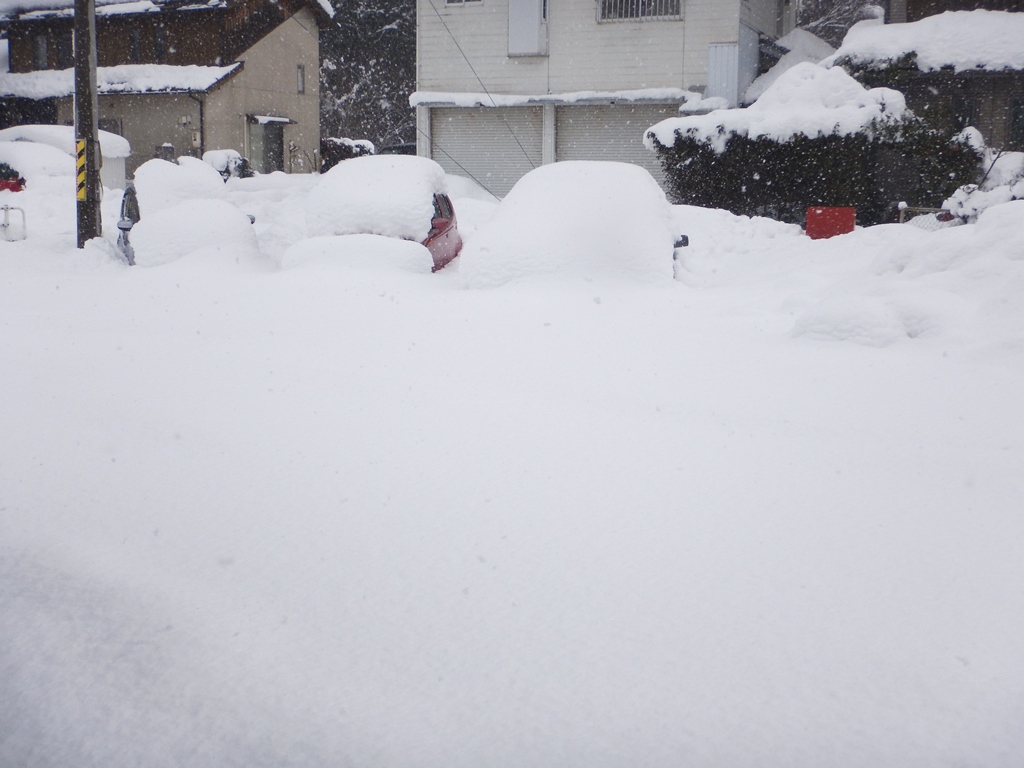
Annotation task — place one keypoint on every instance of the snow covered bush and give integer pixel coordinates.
(334, 150)
(7, 173)
(1003, 182)
(228, 163)
(815, 137)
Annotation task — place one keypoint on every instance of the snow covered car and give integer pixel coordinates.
(391, 195)
(579, 219)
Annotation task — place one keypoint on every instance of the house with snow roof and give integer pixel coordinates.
(504, 86)
(914, 10)
(958, 68)
(178, 77)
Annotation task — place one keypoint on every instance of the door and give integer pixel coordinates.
(493, 146)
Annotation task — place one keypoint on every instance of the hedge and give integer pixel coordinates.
(871, 170)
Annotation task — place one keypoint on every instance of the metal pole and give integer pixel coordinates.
(87, 144)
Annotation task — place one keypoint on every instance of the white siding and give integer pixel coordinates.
(723, 71)
(583, 54)
(493, 146)
(610, 132)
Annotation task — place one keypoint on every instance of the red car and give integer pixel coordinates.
(398, 196)
(444, 241)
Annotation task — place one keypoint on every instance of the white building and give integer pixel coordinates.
(506, 85)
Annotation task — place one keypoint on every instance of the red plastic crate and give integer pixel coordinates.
(829, 221)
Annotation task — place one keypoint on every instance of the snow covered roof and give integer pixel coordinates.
(963, 40)
(29, 9)
(517, 100)
(128, 78)
(807, 99)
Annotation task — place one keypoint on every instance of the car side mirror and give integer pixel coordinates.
(440, 224)
(125, 225)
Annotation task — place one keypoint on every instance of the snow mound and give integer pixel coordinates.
(963, 40)
(459, 187)
(870, 321)
(62, 137)
(390, 195)
(373, 253)
(161, 184)
(32, 160)
(193, 227)
(724, 246)
(802, 47)
(580, 219)
(807, 100)
(928, 284)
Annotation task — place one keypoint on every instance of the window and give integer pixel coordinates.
(300, 72)
(110, 125)
(160, 44)
(65, 50)
(134, 46)
(628, 10)
(40, 52)
(460, 2)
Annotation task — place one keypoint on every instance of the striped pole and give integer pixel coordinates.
(80, 145)
(87, 145)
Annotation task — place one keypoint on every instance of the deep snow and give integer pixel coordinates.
(329, 509)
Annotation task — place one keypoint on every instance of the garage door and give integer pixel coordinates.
(495, 146)
(610, 132)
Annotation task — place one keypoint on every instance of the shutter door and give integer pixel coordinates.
(496, 146)
(610, 132)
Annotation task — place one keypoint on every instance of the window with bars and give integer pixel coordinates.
(628, 10)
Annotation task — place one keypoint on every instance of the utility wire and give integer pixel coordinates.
(456, 162)
(479, 80)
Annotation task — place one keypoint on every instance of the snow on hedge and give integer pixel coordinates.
(576, 219)
(807, 100)
(801, 46)
(391, 195)
(963, 40)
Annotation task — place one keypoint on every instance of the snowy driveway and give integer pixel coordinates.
(766, 514)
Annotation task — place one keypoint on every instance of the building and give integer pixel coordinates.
(506, 85)
(179, 78)
(956, 69)
(915, 10)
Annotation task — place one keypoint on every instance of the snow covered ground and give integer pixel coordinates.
(259, 510)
